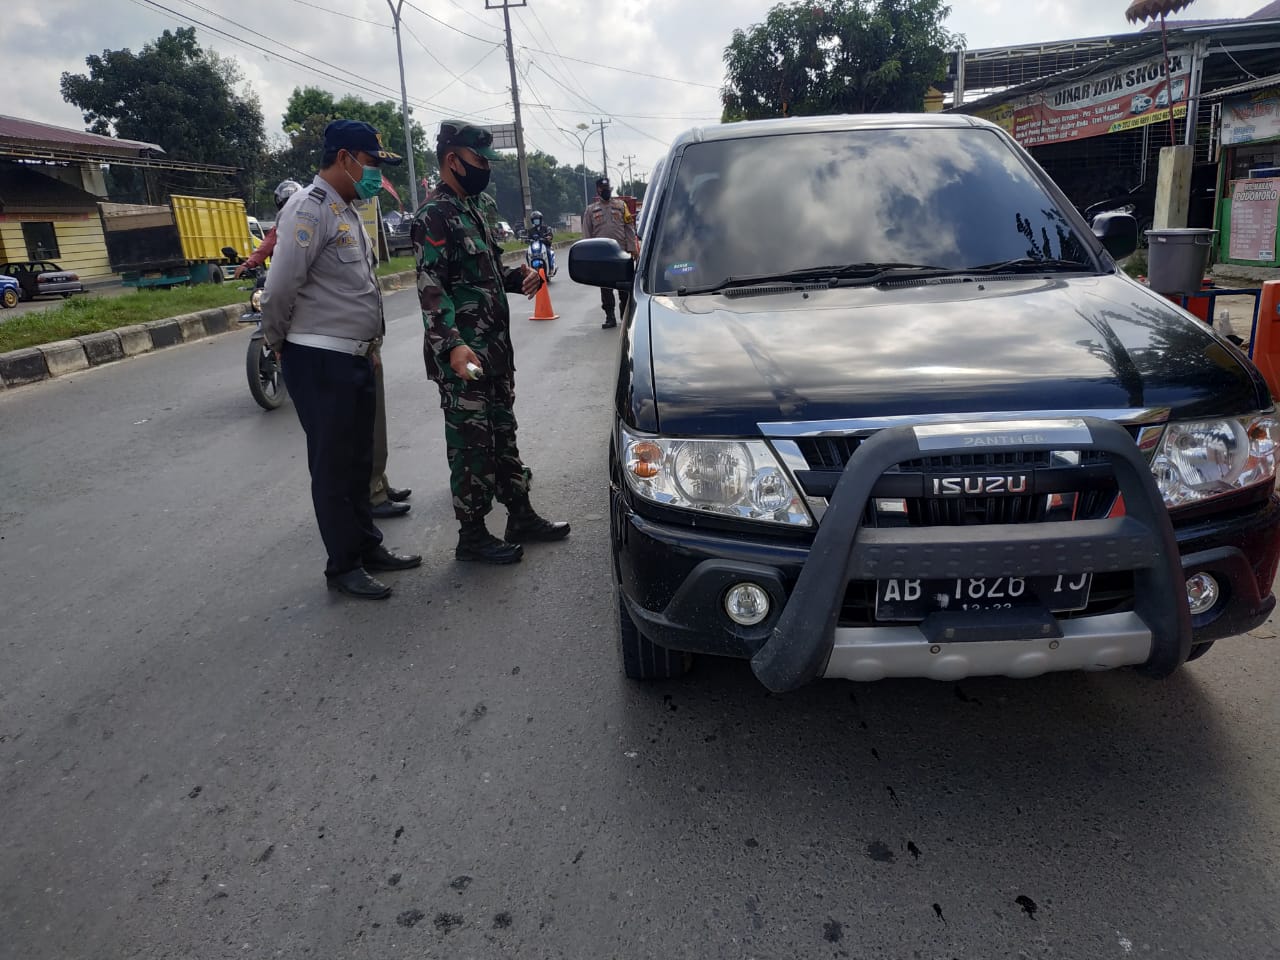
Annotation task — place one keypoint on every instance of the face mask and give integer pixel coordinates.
(472, 180)
(606, 193)
(369, 184)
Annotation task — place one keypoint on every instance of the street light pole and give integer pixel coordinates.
(582, 142)
(404, 106)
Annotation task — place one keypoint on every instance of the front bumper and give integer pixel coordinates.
(674, 577)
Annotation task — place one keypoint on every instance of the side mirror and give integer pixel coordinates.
(230, 253)
(1118, 233)
(601, 263)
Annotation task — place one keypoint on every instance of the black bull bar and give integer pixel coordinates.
(1141, 541)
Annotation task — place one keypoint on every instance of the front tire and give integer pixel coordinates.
(10, 298)
(642, 659)
(266, 381)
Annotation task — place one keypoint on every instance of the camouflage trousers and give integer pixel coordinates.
(480, 435)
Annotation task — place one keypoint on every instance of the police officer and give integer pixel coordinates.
(322, 313)
(462, 287)
(610, 218)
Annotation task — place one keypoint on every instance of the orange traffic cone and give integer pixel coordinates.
(1266, 338)
(542, 309)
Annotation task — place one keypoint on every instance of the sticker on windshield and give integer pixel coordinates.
(682, 269)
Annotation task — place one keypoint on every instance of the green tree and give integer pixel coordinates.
(187, 100)
(310, 109)
(837, 56)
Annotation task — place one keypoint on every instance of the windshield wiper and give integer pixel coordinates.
(868, 273)
(1030, 265)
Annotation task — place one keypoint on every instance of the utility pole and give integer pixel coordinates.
(604, 154)
(526, 200)
(404, 107)
(630, 158)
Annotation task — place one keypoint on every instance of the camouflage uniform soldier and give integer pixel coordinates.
(463, 288)
(610, 218)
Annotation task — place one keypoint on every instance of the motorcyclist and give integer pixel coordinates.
(539, 230)
(284, 190)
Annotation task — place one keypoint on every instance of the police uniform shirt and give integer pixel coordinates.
(322, 278)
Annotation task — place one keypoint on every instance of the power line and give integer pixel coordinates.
(596, 106)
(446, 24)
(634, 73)
(339, 13)
(476, 17)
(456, 79)
(567, 71)
(368, 86)
(443, 66)
(629, 116)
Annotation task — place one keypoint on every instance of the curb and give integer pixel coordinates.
(33, 364)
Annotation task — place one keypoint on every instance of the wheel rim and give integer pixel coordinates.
(269, 374)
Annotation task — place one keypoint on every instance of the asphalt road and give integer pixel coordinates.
(204, 754)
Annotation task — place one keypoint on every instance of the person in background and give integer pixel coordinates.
(539, 230)
(610, 218)
(284, 190)
(322, 313)
(463, 288)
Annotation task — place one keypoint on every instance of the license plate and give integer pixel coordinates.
(915, 599)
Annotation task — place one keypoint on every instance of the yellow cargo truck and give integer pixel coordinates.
(176, 243)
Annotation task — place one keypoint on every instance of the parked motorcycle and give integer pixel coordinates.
(540, 257)
(262, 366)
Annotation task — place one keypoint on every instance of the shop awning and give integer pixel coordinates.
(1262, 83)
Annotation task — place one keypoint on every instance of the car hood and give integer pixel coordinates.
(721, 365)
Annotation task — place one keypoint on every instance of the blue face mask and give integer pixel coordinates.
(369, 184)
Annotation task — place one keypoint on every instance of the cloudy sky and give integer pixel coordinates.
(455, 63)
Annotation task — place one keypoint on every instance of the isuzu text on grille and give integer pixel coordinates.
(979, 486)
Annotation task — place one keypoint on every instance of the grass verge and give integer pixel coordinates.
(395, 265)
(509, 246)
(92, 314)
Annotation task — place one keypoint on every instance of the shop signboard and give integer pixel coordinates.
(1250, 118)
(1110, 101)
(1254, 205)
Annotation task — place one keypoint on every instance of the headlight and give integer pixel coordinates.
(255, 301)
(733, 478)
(1208, 458)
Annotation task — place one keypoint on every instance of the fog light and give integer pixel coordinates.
(1202, 593)
(746, 604)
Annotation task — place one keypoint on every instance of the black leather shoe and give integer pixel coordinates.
(609, 324)
(525, 526)
(357, 583)
(380, 558)
(475, 542)
(387, 509)
(398, 496)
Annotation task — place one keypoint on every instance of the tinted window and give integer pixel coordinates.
(950, 198)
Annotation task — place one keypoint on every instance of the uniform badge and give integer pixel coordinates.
(303, 235)
(337, 211)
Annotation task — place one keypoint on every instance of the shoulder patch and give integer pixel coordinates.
(303, 235)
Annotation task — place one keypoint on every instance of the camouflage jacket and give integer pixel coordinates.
(462, 286)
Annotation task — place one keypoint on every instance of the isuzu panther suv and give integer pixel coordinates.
(886, 407)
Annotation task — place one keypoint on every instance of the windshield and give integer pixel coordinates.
(950, 198)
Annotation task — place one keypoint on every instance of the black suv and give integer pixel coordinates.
(887, 407)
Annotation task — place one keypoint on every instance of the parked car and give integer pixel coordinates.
(503, 231)
(399, 239)
(955, 441)
(10, 292)
(42, 278)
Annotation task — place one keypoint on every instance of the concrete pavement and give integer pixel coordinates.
(204, 754)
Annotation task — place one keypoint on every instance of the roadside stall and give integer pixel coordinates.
(1249, 173)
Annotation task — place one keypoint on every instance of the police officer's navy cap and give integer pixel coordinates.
(355, 136)
(602, 182)
(459, 133)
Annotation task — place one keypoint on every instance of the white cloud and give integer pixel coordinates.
(670, 38)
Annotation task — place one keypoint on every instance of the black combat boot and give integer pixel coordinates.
(525, 526)
(475, 542)
(609, 322)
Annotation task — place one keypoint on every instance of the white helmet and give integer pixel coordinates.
(285, 190)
